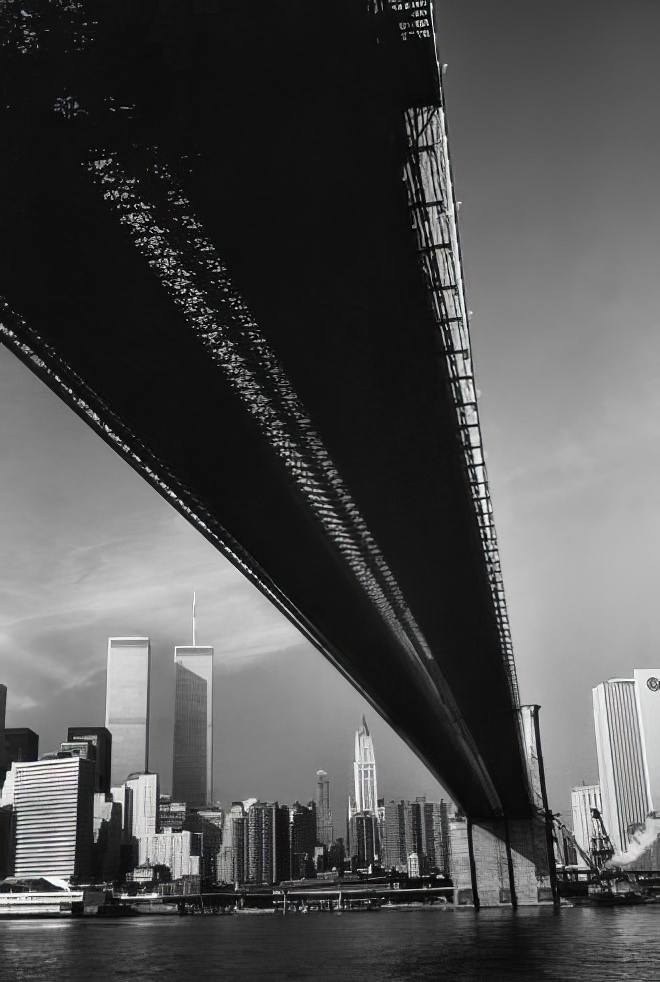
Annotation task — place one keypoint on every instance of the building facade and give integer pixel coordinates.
(108, 833)
(268, 842)
(647, 692)
(142, 804)
(365, 785)
(192, 774)
(622, 769)
(171, 849)
(127, 705)
(302, 834)
(101, 739)
(20, 744)
(54, 814)
(363, 838)
(232, 856)
(325, 833)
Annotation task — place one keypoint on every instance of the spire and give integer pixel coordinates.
(364, 725)
(193, 620)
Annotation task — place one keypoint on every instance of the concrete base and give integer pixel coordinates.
(501, 863)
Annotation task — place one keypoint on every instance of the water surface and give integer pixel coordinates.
(383, 946)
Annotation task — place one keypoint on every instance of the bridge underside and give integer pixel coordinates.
(208, 253)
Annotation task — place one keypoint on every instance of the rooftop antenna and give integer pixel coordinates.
(193, 619)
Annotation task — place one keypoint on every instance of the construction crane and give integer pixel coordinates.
(588, 860)
(602, 849)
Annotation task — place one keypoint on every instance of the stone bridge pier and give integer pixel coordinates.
(502, 863)
(508, 861)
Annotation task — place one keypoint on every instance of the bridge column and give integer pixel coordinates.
(500, 863)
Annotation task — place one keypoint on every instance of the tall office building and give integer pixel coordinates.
(127, 705)
(363, 836)
(325, 833)
(232, 857)
(101, 740)
(583, 799)
(622, 767)
(365, 787)
(397, 834)
(142, 804)
(54, 804)
(3, 708)
(192, 772)
(302, 840)
(21, 745)
(441, 834)
(268, 842)
(647, 692)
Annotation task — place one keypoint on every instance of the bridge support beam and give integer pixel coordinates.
(501, 863)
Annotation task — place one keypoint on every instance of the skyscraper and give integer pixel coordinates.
(192, 771)
(268, 842)
(622, 767)
(21, 744)
(54, 804)
(127, 705)
(324, 828)
(647, 692)
(3, 705)
(232, 858)
(142, 802)
(101, 740)
(365, 788)
(302, 831)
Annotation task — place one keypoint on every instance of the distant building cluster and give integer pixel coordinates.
(93, 812)
(627, 727)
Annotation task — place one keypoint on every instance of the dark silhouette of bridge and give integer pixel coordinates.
(230, 245)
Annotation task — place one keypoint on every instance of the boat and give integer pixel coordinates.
(39, 896)
(415, 905)
(254, 910)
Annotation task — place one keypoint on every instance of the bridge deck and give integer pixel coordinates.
(295, 402)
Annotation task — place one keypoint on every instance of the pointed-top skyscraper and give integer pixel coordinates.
(365, 787)
(192, 772)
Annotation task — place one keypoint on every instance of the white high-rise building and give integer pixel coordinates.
(622, 768)
(53, 801)
(647, 691)
(141, 806)
(365, 787)
(171, 849)
(127, 705)
(583, 799)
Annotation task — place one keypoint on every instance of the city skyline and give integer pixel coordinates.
(362, 783)
(570, 404)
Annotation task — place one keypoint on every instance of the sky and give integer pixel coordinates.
(555, 141)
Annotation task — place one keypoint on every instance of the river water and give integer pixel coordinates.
(382, 946)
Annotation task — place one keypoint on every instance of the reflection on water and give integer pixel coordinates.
(384, 946)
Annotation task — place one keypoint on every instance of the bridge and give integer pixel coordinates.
(231, 246)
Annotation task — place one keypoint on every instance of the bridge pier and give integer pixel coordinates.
(501, 863)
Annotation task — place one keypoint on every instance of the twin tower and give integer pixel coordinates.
(127, 716)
